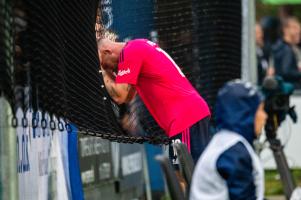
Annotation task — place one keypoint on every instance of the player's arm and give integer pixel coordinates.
(119, 92)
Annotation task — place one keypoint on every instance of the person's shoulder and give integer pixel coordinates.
(136, 44)
(138, 41)
(137, 47)
(280, 45)
(234, 156)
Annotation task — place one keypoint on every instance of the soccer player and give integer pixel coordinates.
(142, 66)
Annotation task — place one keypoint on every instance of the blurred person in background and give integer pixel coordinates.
(229, 167)
(286, 52)
(262, 55)
(271, 33)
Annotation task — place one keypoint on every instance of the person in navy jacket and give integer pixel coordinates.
(287, 53)
(229, 168)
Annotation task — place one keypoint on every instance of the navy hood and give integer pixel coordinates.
(236, 106)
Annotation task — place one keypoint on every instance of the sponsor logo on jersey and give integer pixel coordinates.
(124, 72)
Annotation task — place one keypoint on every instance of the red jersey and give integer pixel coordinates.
(162, 86)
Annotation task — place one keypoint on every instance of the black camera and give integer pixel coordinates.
(277, 103)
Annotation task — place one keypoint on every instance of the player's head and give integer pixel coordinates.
(108, 50)
(240, 108)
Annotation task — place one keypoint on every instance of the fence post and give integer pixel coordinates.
(8, 154)
(249, 66)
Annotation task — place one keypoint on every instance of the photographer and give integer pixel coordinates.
(229, 167)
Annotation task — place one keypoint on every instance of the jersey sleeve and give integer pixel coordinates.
(235, 166)
(129, 65)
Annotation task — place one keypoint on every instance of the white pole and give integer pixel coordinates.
(8, 154)
(8, 145)
(248, 65)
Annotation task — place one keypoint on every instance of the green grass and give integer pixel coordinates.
(273, 184)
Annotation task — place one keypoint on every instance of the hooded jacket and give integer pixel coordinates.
(229, 164)
(235, 108)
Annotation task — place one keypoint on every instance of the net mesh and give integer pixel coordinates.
(219, 38)
(48, 51)
(204, 37)
(6, 51)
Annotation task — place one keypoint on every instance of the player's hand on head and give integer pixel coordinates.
(108, 72)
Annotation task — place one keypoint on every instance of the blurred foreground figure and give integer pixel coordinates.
(229, 167)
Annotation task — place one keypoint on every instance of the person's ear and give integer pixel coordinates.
(107, 51)
(99, 51)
